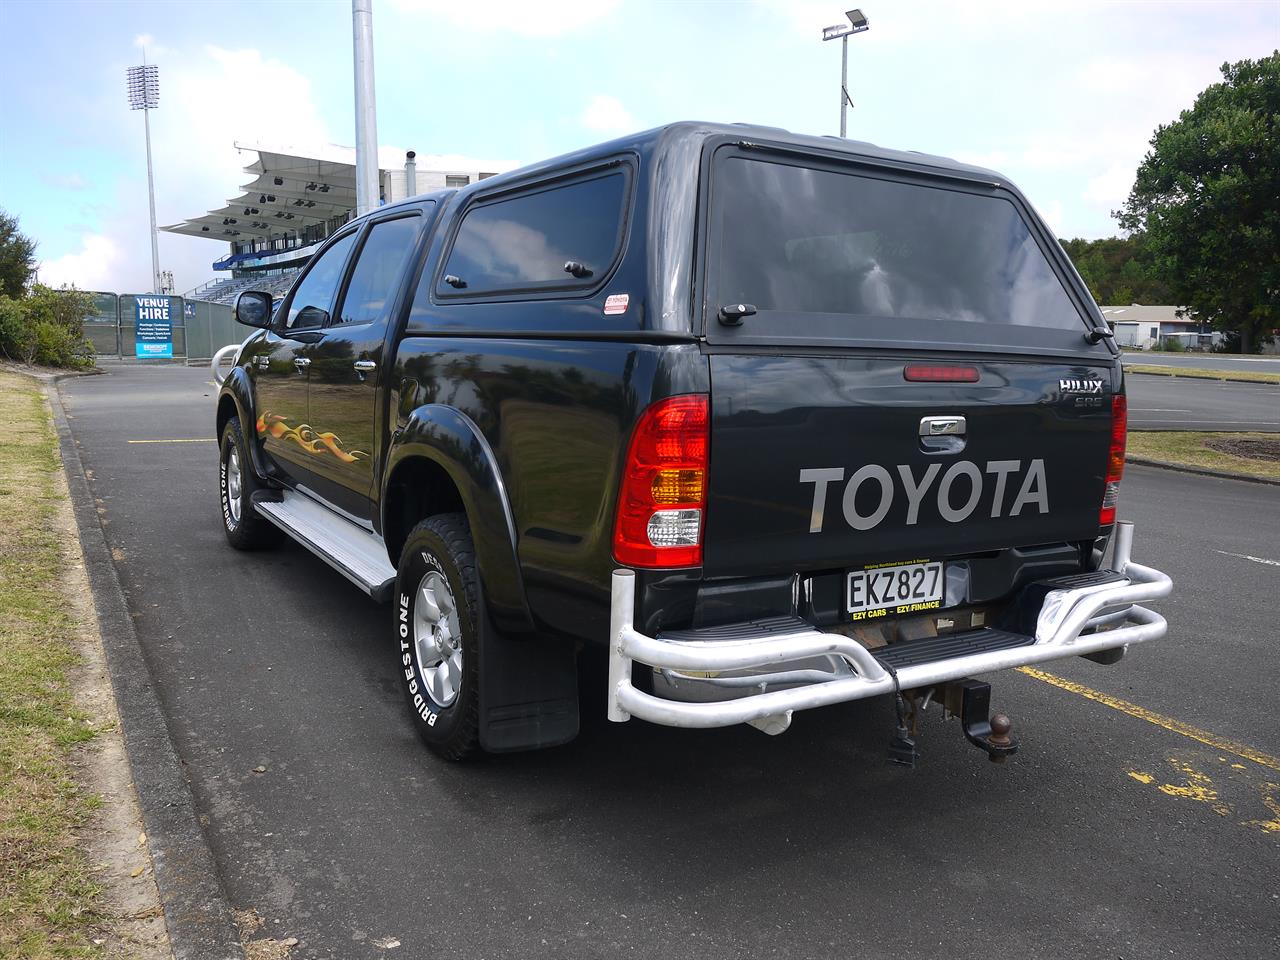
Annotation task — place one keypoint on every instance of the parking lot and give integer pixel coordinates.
(1181, 403)
(1140, 819)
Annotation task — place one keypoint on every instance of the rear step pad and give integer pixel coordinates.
(948, 646)
(356, 553)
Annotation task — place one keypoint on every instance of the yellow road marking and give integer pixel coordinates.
(185, 440)
(1272, 801)
(1150, 716)
(1198, 787)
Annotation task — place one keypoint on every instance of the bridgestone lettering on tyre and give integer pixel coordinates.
(436, 634)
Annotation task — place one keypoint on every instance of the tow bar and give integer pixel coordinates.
(970, 700)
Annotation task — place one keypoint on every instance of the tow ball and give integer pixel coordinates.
(970, 700)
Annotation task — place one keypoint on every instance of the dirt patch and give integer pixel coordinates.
(1251, 448)
(256, 947)
(114, 842)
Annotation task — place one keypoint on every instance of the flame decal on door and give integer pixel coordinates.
(321, 444)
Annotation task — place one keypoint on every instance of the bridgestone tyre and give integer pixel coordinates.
(236, 484)
(436, 630)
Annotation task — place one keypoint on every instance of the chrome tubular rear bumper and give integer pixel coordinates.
(1064, 617)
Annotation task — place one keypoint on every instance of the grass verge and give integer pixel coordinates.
(1188, 449)
(48, 897)
(1202, 373)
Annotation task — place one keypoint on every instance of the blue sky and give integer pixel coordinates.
(1061, 97)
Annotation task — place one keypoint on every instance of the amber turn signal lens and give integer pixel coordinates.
(677, 486)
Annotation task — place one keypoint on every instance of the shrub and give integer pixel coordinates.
(47, 327)
(16, 337)
(1174, 345)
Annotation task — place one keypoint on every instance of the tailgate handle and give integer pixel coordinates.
(942, 426)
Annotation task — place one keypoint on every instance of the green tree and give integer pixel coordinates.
(1205, 201)
(17, 258)
(1118, 270)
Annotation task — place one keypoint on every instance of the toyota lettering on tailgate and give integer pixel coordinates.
(984, 486)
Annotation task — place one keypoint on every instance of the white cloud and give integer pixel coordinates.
(66, 181)
(605, 114)
(95, 266)
(530, 18)
(1109, 189)
(144, 40)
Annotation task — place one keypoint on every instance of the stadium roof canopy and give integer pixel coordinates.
(286, 194)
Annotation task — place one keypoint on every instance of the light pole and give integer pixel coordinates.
(858, 23)
(366, 107)
(144, 94)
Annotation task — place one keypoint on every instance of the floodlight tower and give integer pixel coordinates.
(144, 94)
(366, 107)
(858, 23)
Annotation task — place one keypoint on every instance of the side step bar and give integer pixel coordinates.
(357, 554)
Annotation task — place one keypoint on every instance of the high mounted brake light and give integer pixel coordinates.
(1115, 460)
(933, 373)
(663, 495)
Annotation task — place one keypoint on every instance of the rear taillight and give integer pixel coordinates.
(1115, 460)
(663, 496)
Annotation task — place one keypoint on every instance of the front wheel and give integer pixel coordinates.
(436, 631)
(237, 482)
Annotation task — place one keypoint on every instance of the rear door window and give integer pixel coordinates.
(838, 253)
(559, 237)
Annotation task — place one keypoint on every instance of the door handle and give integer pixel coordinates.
(364, 366)
(301, 363)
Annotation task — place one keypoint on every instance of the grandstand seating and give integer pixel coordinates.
(226, 289)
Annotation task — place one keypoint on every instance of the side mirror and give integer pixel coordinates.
(253, 308)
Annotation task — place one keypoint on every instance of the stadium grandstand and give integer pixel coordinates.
(289, 207)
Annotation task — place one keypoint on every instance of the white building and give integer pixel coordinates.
(1149, 327)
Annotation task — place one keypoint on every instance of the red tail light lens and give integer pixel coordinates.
(663, 496)
(927, 373)
(1115, 459)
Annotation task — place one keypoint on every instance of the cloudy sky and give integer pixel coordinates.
(1060, 96)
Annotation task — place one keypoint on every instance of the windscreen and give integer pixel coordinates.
(797, 239)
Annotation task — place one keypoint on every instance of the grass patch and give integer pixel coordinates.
(48, 897)
(1202, 373)
(1191, 449)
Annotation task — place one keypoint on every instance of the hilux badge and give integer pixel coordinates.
(1069, 387)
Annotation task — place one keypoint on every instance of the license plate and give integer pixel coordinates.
(913, 586)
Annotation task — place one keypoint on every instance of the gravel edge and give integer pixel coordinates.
(198, 917)
(1202, 471)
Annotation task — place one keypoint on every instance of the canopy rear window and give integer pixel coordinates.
(792, 239)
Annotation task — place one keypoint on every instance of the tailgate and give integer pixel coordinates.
(822, 461)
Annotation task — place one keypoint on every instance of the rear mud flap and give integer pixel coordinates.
(528, 692)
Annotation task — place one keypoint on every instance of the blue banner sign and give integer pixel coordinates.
(153, 326)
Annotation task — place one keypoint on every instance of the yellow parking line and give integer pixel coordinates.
(185, 440)
(1167, 723)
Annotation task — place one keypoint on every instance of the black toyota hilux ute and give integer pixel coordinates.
(777, 421)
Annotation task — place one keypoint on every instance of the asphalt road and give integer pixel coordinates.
(1211, 361)
(1109, 835)
(1181, 403)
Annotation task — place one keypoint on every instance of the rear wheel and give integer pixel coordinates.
(236, 484)
(436, 630)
